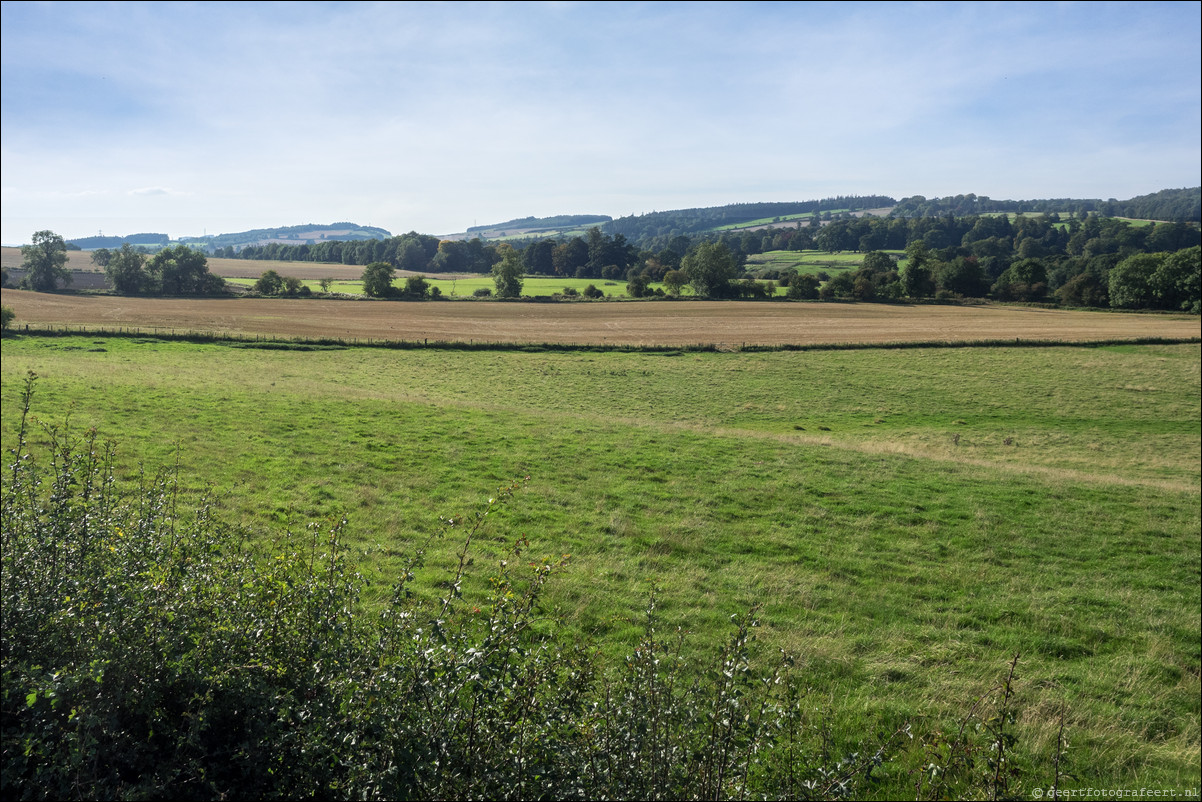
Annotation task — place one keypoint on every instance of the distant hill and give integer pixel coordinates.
(693, 221)
(101, 241)
(289, 235)
(537, 226)
(285, 235)
(1167, 204)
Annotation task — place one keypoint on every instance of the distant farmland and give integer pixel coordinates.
(671, 323)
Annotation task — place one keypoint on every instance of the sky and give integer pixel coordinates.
(192, 118)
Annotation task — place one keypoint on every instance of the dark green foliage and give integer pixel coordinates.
(1177, 283)
(1130, 281)
(637, 287)
(507, 274)
(803, 287)
(1168, 204)
(46, 262)
(126, 272)
(6, 317)
(377, 279)
(1023, 281)
(842, 285)
(183, 271)
(416, 288)
(640, 227)
(710, 268)
(962, 276)
(591, 291)
(1084, 289)
(101, 256)
(270, 283)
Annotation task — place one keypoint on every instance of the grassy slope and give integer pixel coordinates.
(910, 520)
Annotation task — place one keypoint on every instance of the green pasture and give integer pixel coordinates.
(535, 235)
(783, 219)
(909, 520)
(806, 261)
(533, 286)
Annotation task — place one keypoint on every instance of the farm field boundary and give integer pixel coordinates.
(725, 325)
(284, 343)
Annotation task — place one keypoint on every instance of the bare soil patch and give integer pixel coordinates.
(729, 323)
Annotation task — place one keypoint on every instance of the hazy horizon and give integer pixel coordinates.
(191, 118)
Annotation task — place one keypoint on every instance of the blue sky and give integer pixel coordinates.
(182, 118)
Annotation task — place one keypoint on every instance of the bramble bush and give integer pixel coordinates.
(149, 651)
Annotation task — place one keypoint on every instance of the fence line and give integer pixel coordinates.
(300, 343)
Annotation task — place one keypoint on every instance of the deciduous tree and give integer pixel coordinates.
(46, 262)
(710, 268)
(125, 271)
(507, 274)
(183, 271)
(377, 279)
(269, 283)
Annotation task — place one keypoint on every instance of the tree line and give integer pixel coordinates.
(1167, 204)
(176, 271)
(1083, 260)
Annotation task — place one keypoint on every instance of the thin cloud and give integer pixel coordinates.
(432, 116)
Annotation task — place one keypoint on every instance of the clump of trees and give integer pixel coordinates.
(272, 283)
(45, 263)
(176, 271)
(378, 280)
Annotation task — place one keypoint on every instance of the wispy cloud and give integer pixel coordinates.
(429, 116)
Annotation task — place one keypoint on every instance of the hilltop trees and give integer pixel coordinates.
(46, 262)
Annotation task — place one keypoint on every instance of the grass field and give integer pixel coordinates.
(763, 221)
(806, 261)
(910, 520)
(464, 286)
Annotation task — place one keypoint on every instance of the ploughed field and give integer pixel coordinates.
(670, 323)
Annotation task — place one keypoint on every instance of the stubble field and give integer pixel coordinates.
(672, 323)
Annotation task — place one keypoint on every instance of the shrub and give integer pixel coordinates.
(6, 317)
(481, 292)
(269, 283)
(591, 291)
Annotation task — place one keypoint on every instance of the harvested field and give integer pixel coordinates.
(81, 262)
(672, 323)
